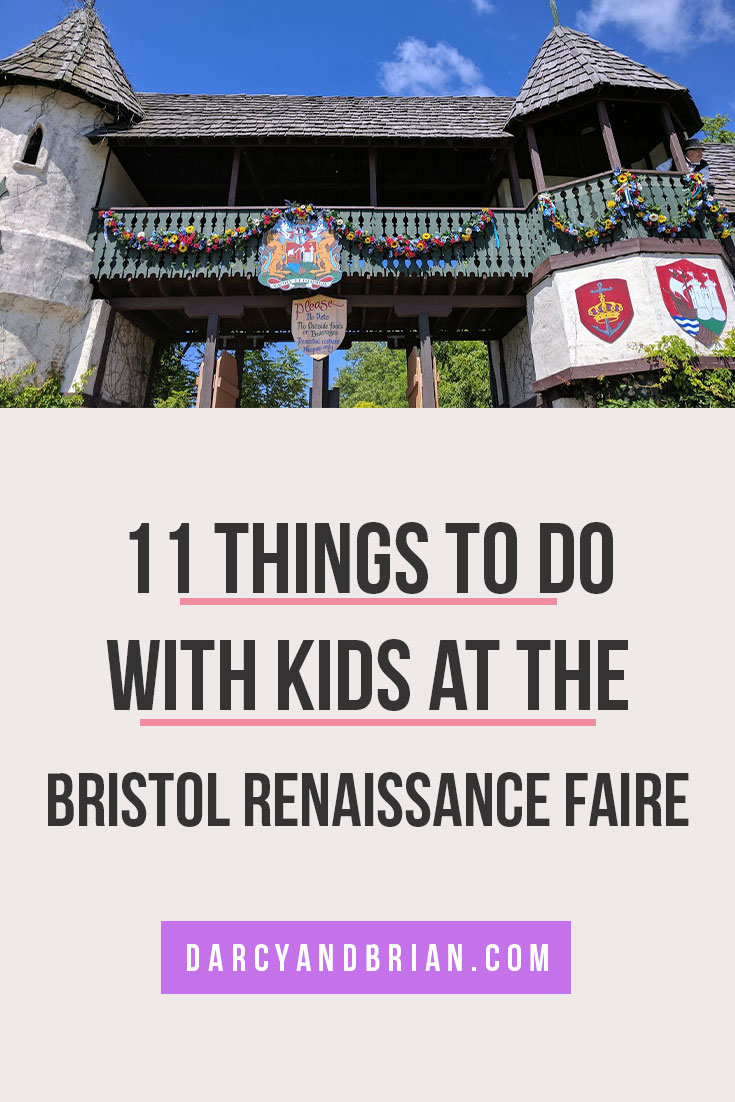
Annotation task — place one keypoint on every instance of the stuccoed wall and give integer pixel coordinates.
(128, 364)
(46, 312)
(519, 368)
(560, 340)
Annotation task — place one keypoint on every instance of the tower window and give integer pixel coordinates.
(30, 157)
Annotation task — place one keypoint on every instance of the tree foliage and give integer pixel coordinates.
(272, 378)
(716, 129)
(23, 390)
(374, 376)
(679, 382)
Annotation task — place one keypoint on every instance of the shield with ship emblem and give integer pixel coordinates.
(695, 299)
(299, 254)
(605, 308)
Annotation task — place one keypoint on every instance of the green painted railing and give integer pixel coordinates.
(524, 238)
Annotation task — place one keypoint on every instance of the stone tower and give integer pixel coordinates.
(53, 93)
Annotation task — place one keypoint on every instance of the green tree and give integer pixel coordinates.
(715, 129)
(464, 374)
(375, 376)
(272, 378)
(174, 381)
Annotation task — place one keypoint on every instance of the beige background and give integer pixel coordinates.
(650, 1016)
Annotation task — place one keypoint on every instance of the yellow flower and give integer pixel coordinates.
(350, 237)
(182, 248)
(466, 236)
(623, 178)
(427, 237)
(662, 218)
(611, 204)
(590, 233)
(190, 229)
(174, 239)
(608, 224)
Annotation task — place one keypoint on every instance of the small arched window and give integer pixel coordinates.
(30, 157)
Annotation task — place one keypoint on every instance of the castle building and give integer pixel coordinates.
(577, 266)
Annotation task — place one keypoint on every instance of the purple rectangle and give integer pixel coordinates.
(366, 958)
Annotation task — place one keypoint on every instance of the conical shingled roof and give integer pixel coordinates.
(571, 64)
(77, 56)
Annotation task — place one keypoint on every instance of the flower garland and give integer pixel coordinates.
(628, 200)
(188, 239)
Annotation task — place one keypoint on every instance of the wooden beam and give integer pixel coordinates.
(677, 153)
(607, 135)
(427, 363)
(206, 386)
(234, 176)
(373, 169)
(538, 172)
(515, 180)
(234, 305)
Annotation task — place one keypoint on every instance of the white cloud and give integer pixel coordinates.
(669, 26)
(417, 69)
(483, 6)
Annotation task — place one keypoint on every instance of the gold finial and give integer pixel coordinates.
(555, 13)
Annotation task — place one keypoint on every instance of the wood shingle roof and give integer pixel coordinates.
(571, 64)
(721, 160)
(198, 117)
(77, 56)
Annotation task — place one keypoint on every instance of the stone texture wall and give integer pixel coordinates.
(47, 316)
(519, 364)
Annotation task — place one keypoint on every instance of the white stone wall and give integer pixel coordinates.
(47, 316)
(519, 369)
(560, 340)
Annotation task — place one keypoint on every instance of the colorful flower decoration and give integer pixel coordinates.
(189, 240)
(628, 201)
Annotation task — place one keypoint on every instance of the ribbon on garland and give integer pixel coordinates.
(628, 200)
(183, 241)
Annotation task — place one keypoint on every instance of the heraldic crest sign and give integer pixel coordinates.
(295, 254)
(605, 308)
(695, 299)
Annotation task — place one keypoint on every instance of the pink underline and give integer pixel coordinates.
(448, 722)
(368, 601)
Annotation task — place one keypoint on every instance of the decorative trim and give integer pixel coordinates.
(621, 367)
(187, 239)
(637, 246)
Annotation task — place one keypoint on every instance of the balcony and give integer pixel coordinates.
(524, 239)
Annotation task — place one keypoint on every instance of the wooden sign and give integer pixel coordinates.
(319, 325)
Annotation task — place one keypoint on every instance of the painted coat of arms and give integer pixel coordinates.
(299, 254)
(695, 299)
(605, 308)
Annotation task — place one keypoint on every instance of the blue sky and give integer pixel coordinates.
(389, 46)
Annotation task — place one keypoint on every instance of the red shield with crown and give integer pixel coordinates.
(605, 308)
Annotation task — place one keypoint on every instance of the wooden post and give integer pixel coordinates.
(494, 397)
(682, 165)
(206, 375)
(373, 168)
(515, 180)
(240, 360)
(428, 395)
(538, 172)
(607, 135)
(320, 384)
(234, 177)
